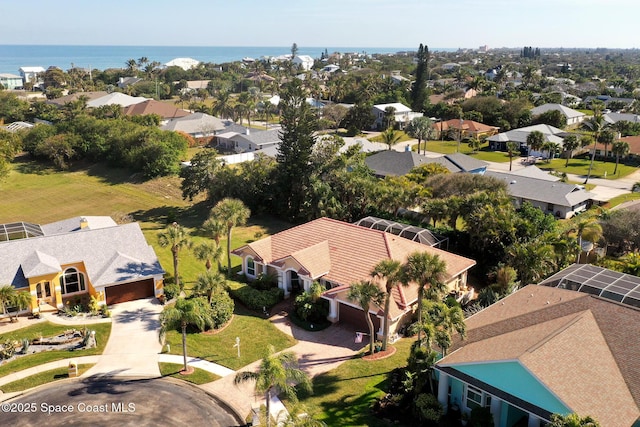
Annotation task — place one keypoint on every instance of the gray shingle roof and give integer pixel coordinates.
(566, 111)
(110, 255)
(395, 163)
(466, 163)
(541, 190)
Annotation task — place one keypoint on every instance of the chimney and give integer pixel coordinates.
(84, 223)
(247, 131)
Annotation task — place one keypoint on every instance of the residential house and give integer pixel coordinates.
(32, 75)
(573, 117)
(450, 66)
(162, 109)
(87, 96)
(330, 68)
(184, 63)
(545, 350)
(115, 98)
(10, 81)
(557, 198)
(532, 171)
(74, 259)
(608, 100)
(337, 254)
(634, 148)
(469, 129)
(17, 126)
(553, 134)
(194, 85)
(242, 139)
(397, 163)
(198, 125)
(402, 114)
(124, 82)
(304, 62)
(621, 117)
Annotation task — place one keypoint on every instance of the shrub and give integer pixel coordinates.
(222, 306)
(94, 307)
(171, 290)
(481, 417)
(428, 409)
(255, 299)
(311, 309)
(265, 282)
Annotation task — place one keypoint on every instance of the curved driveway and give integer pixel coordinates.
(118, 402)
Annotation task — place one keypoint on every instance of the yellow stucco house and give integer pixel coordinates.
(69, 261)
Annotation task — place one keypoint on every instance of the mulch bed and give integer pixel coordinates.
(381, 354)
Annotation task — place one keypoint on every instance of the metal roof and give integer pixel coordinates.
(406, 231)
(598, 281)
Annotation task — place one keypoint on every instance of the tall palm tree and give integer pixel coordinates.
(512, 147)
(569, 144)
(207, 252)
(535, 140)
(215, 228)
(445, 321)
(232, 212)
(209, 283)
(277, 374)
(175, 237)
(390, 137)
(420, 128)
(619, 149)
(596, 124)
(365, 293)
(588, 229)
(185, 312)
(388, 270)
(424, 269)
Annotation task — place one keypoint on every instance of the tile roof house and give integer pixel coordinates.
(396, 163)
(402, 114)
(164, 110)
(76, 258)
(469, 128)
(89, 96)
(573, 117)
(557, 198)
(337, 254)
(544, 350)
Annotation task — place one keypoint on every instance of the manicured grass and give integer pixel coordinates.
(581, 167)
(344, 395)
(621, 199)
(42, 378)
(403, 137)
(47, 329)
(483, 153)
(199, 376)
(255, 333)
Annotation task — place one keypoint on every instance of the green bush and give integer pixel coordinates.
(171, 290)
(428, 409)
(222, 306)
(311, 309)
(255, 299)
(265, 282)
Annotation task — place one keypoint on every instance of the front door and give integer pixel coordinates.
(43, 291)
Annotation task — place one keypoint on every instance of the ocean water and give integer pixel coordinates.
(12, 57)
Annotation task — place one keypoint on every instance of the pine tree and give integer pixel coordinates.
(419, 91)
(294, 152)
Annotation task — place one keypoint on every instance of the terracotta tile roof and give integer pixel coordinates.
(580, 346)
(162, 109)
(349, 251)
(467, 125)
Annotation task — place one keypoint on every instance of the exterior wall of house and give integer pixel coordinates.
(57, 298)
(11, 83)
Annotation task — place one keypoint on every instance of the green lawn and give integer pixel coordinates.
(255, 333)
(42, 378)
(47, 329)
(581, 167)
(621, 199)
(450, 147)
(403, 137)
(344, 395)
(199, 376)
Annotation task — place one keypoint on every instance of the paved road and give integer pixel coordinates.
(118, 402)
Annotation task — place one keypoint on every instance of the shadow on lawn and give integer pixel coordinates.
(190, 217)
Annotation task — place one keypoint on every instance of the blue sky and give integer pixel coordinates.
(335, 23)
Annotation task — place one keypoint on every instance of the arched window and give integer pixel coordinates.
(251, 267)
(72, 281)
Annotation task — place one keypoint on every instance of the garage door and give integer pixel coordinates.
(129, 291)
(355, 317)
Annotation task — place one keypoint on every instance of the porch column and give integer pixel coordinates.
(443, 390)
(533, 421)
(58, 292)
(496, 409)
(333, 311)
(282, 283)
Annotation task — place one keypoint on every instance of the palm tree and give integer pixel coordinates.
(512, 147)
(276, 374)
(572, 420)
(620, 149)
(535, 140)
(420, 128)
(587, 229)
(390, 137)
(185, 312)
(445, 321)
(10, 297)
(596, 124)
(607, 136)
(388, 270)
(207, 252)
(232, 212)
(175, 236)
(550, 148)
(209, 283)
(570, 143)
(425, 270)
(215, 228)
(365, 293)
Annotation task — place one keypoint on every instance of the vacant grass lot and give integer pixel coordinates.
(47, 329)
(343, 396)
(42, 378)
(255, 333)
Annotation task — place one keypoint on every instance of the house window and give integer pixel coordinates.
(474, 397)
(72, 281)
(251, 267)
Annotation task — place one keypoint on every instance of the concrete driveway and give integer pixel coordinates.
(133, 348)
